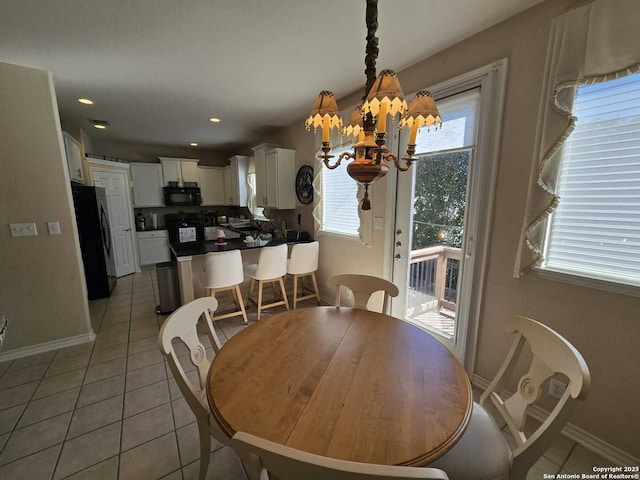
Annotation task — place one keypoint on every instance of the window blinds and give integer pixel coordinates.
(595, 231)
(339, 198)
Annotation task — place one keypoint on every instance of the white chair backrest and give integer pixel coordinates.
(223, 269)
(290, 464)
(551, 354)
(362, 287)
(182, 325)
(304, 258)
(272, 262)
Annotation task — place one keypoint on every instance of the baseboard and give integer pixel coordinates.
(47, 346)
(610, 452)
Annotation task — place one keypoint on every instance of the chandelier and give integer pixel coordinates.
(368, 123)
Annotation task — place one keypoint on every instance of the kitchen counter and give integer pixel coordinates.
(151, 229)
(190, 259)
(201, 248)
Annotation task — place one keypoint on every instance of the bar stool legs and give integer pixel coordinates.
(237, 299)
(276, 303)
(271, 268)
(314, 293)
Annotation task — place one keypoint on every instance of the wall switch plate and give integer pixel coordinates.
(23, 229)
(54, 228)
(378, 223)
(556, 388)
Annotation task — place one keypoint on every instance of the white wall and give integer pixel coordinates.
(42, 288)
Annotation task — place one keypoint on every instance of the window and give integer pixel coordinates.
(256, 211)
(339, 199)
(595, 230)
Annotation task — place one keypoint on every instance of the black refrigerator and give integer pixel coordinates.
(92, 218)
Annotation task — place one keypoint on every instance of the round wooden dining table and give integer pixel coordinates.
(342, 383)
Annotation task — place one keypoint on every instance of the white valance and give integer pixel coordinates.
(591, 44)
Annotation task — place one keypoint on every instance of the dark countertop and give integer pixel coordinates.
(201, 248)
(151, 229)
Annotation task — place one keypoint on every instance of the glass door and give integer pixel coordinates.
(431, 219)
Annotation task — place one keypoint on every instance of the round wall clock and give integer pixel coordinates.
(304, 184)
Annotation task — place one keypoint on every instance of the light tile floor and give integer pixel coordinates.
(110, 409)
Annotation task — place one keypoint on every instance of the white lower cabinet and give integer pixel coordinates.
(153, 247)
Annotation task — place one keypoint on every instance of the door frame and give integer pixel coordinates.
(492, 78)
(117, 167)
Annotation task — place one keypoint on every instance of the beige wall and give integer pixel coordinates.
(603, 326)
(41, 278)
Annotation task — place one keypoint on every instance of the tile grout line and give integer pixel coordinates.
(75, 406)
(124, 393)
(31, 399)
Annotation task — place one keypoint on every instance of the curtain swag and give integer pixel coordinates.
(598, 37)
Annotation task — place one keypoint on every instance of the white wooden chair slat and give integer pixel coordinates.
(290, 464)
(362, 287)
(551, 355)
(182, 325)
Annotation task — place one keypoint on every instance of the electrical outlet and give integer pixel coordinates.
(23, 229)
(556, 388)
(378, 223)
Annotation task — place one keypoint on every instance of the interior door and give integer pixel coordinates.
(115, 185)
(444, 205)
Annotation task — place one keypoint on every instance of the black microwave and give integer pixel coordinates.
(182, 196)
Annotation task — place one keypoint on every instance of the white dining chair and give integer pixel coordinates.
(223, 272)
(182, 325)
(482, 453)
(362, 287)
(271, 268)
(290, 464)
(304, 263)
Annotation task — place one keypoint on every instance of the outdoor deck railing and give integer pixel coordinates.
(434, 271)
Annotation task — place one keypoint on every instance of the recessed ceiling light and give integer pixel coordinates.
(214, 120)
(86, 101)
(100, 124)
(193, 144)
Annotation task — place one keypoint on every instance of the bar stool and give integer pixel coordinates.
(304, 263)
(271, 268)
(223, 272)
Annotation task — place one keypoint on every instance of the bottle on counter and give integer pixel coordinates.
(154, 220)
(140, 221)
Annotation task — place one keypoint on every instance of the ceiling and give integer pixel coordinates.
(157, 70)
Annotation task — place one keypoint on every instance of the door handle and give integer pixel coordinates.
(127, 229)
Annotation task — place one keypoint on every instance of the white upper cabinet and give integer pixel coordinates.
(259, 158)
(212, 185)
(147, 184)
(74, 157)
(190, 172)
(180, 170)
(236, 192)
(228, 189)
(275, 177)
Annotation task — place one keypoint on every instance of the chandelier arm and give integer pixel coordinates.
(341, 157)
(408, 162)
